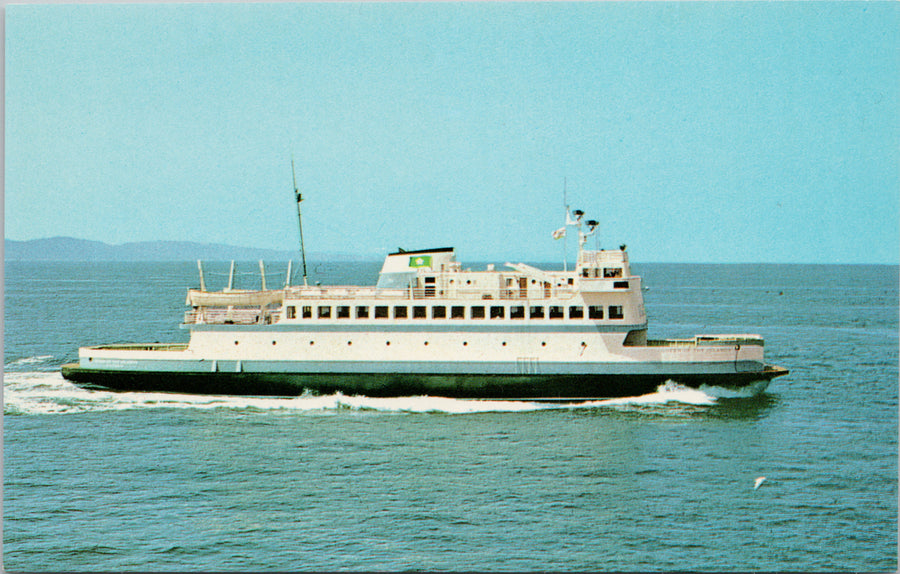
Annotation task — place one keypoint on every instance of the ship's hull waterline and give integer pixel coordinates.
(394, 384)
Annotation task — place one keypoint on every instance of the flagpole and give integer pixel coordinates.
(565, 251)
(299, 220)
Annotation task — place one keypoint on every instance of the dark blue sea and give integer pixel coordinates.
(137, 481)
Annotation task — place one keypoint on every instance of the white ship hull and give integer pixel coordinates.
(479, 362)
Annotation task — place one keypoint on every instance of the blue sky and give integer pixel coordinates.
(695, 132)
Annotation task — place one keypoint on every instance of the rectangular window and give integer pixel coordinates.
(343, 312)
(438, 312)
(307, 312)
(419, 312)
(400, 312)
(476, 313)
(555, 312)
(497, 312)
(612, 272)
(620, 284)
(576, 312)
(362, 312)
(595, 312)
(517, 312)
(429, 288)
(615, 312)
(457, 312)
(291, 312)
(324, 312)
(381, 312)
(536, 312)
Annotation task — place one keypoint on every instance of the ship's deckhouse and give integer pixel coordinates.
(430, 285)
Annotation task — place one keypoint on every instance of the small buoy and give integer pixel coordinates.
(759, 481)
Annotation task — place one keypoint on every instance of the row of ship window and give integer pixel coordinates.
(455, 312)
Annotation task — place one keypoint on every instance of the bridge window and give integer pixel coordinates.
(324, 312)
(381, 312)
(517, 312)
(476, 312)
(400, 312)
(612, 272)
(595, 312)
(576, 312)
(615, 312)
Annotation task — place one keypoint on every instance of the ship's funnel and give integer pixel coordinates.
(401, 267)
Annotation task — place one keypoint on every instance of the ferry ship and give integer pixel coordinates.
(431, 327)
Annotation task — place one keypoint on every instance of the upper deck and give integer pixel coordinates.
(429, 275)
(600, 277)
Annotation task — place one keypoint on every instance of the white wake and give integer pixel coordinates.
(48, 393)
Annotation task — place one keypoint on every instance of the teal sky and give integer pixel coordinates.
(695, 132)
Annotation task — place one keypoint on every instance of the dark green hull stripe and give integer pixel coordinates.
(403, 384)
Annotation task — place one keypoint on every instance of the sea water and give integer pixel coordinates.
(96, 480)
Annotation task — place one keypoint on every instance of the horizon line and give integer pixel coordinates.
(370, 257)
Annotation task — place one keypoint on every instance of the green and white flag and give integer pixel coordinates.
(420, 261)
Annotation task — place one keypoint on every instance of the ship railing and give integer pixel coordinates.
(671, 343)
(224, 316)
(708, 341)
(348, 292)
(600, 257)
(141, 347)
(505, 294)
(431, 292)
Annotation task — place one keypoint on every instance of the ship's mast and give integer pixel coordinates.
(299, 197)
(566, 232)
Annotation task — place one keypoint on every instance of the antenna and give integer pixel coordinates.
(299, 197)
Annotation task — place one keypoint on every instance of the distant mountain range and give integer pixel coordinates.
(72, 249)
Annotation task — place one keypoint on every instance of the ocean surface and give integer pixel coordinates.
(138, 481)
